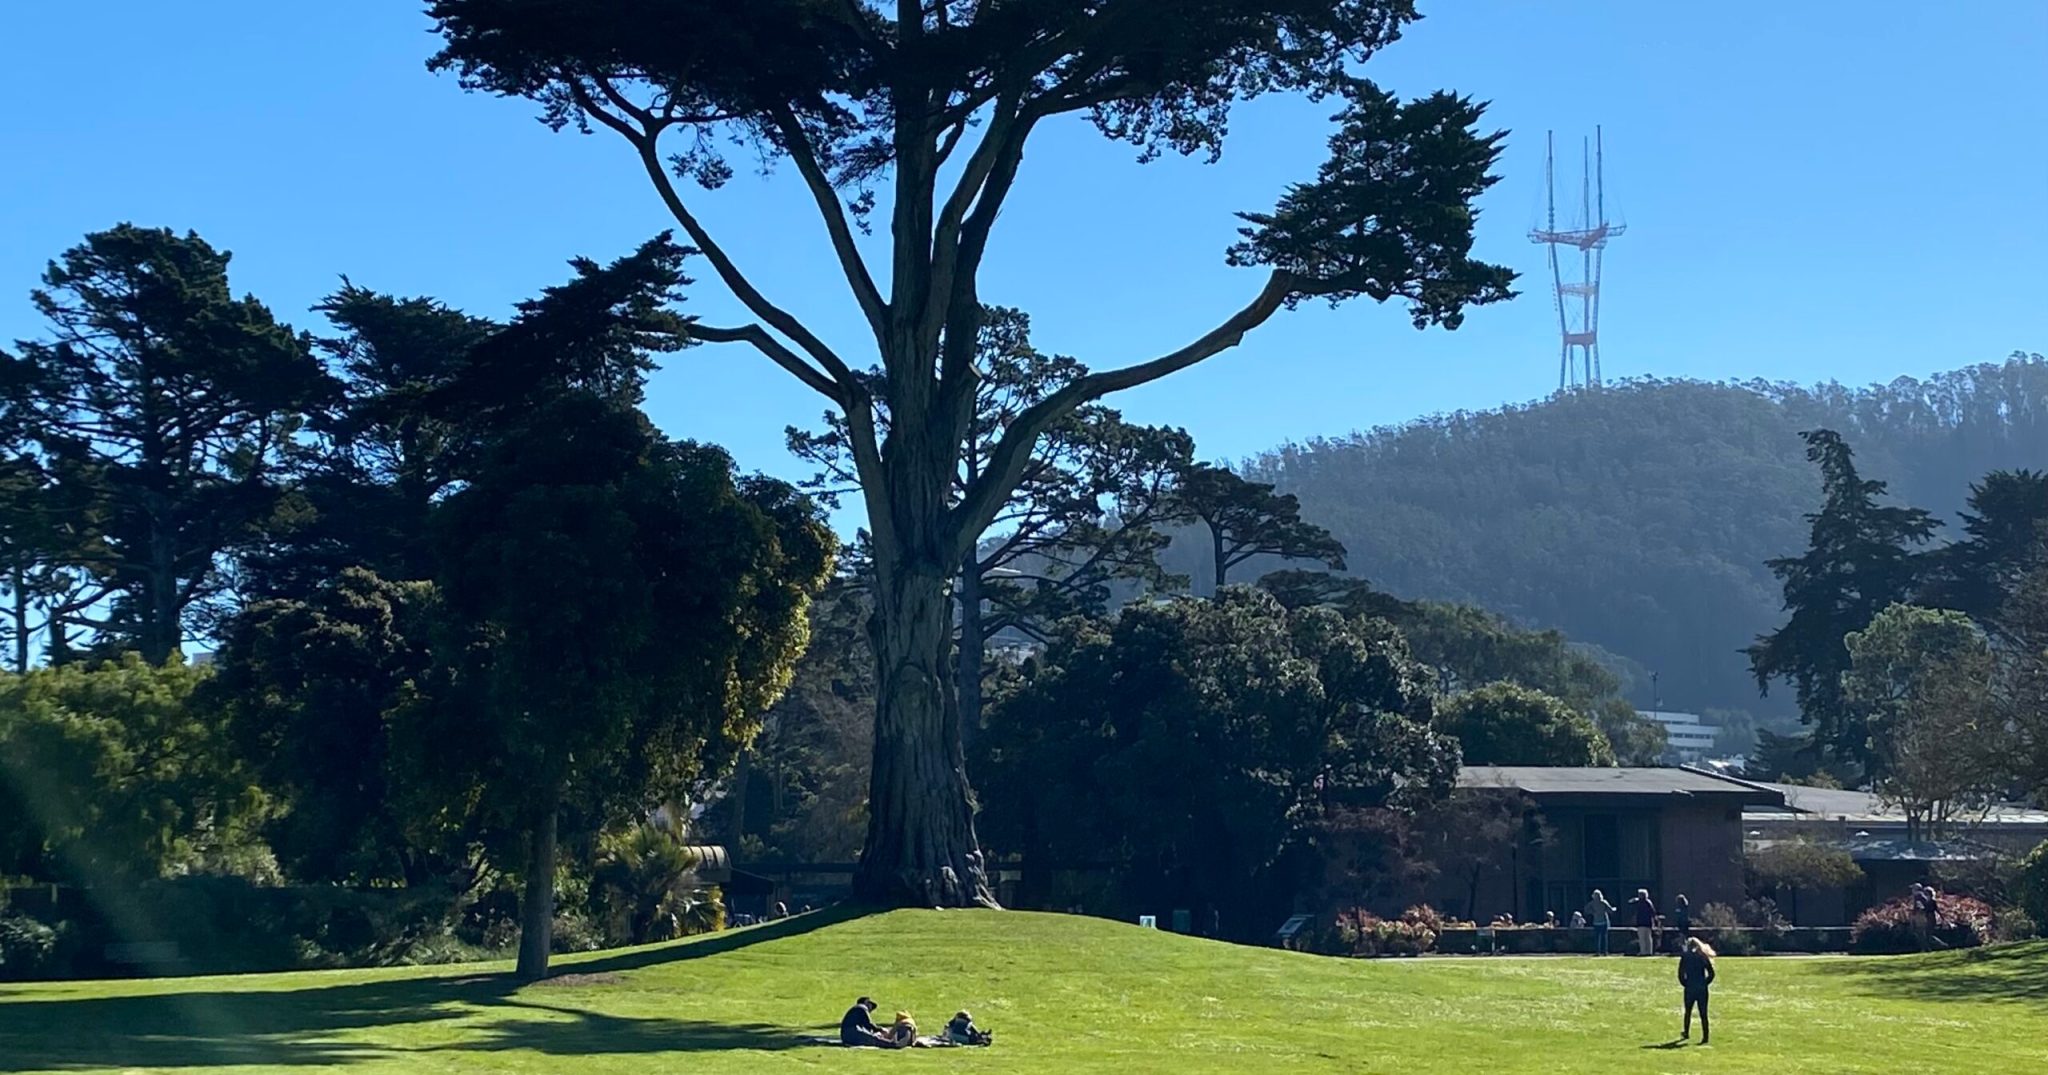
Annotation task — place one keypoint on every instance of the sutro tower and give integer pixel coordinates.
(1581, 333)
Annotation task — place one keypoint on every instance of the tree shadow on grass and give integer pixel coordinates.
(731, 940)
(195, 1028)
(591, 1033)
(299, 1027)
(2012, 972)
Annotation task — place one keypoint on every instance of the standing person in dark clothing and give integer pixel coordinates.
(1681, 919)
(1646, 923)
(857, 1026)
(1695, 974)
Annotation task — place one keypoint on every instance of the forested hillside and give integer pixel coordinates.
(1638, 518)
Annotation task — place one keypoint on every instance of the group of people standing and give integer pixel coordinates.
(1600, 915)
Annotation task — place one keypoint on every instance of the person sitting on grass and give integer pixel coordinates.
(857, 1026)
(962, 1031)
(1695, 974)
(904, 1034)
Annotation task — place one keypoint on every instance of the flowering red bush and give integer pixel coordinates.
(1361, 933)
(1959, 922)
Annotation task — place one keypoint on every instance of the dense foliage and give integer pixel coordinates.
(471, 607)
(1194, 745)
(155, 415)
(1919, 686)
(109, 775)
(1505, 724)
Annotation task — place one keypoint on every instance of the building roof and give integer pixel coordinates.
(1878, 849)
(1837, 804)
(1545, 780)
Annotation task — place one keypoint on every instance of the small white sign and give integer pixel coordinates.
(1149, 921)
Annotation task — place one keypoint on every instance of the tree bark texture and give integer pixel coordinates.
(537, 905)
(921, 848)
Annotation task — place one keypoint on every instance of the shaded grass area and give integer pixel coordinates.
(1064, 994)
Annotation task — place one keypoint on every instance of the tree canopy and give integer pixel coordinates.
(1505, 724)
(168, 402)
(1920, 683)
(1192, 743)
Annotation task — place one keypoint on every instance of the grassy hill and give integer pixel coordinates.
(1064, 995)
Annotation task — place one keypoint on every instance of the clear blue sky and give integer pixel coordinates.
(1815, 190)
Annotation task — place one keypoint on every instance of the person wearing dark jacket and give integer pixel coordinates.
(1695, 974)
(857, 1026)
(1646, 923)
(1681, 918)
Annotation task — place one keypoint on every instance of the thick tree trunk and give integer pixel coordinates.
(921, 848)
(537, 905)
(973, 647)
(1222, 565)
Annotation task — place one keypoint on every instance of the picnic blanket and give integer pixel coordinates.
(928, 1042)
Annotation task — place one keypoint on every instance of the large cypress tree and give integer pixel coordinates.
(1859, 561)
(937, 103)
(172, 400)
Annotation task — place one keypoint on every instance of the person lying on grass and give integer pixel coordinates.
(962, 1031)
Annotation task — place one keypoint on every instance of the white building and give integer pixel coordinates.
(1690, 739)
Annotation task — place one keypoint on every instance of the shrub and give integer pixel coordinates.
(27, 948)
(1727, 934)
(2013, 924)
(2033, 884)
(1804, 864)
(644, 887)
(1424, 915)
(1959, 922)
(1362, 934)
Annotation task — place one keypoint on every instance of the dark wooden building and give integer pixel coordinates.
(1672, 831)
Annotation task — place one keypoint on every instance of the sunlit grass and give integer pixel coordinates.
(1064, 995)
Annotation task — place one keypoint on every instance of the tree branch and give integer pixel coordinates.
(798, 145)
(778, 352)
(645, 140)
(1013, 453)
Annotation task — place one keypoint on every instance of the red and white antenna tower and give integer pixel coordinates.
(1581, 297)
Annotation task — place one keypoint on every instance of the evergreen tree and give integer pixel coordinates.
(171, 400)
(2006, 536)
(621, 609)
(1246, 519)
(363, 490)
(939, 102)
(1859, 561)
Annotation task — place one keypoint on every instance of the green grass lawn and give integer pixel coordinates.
(1064, 995)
